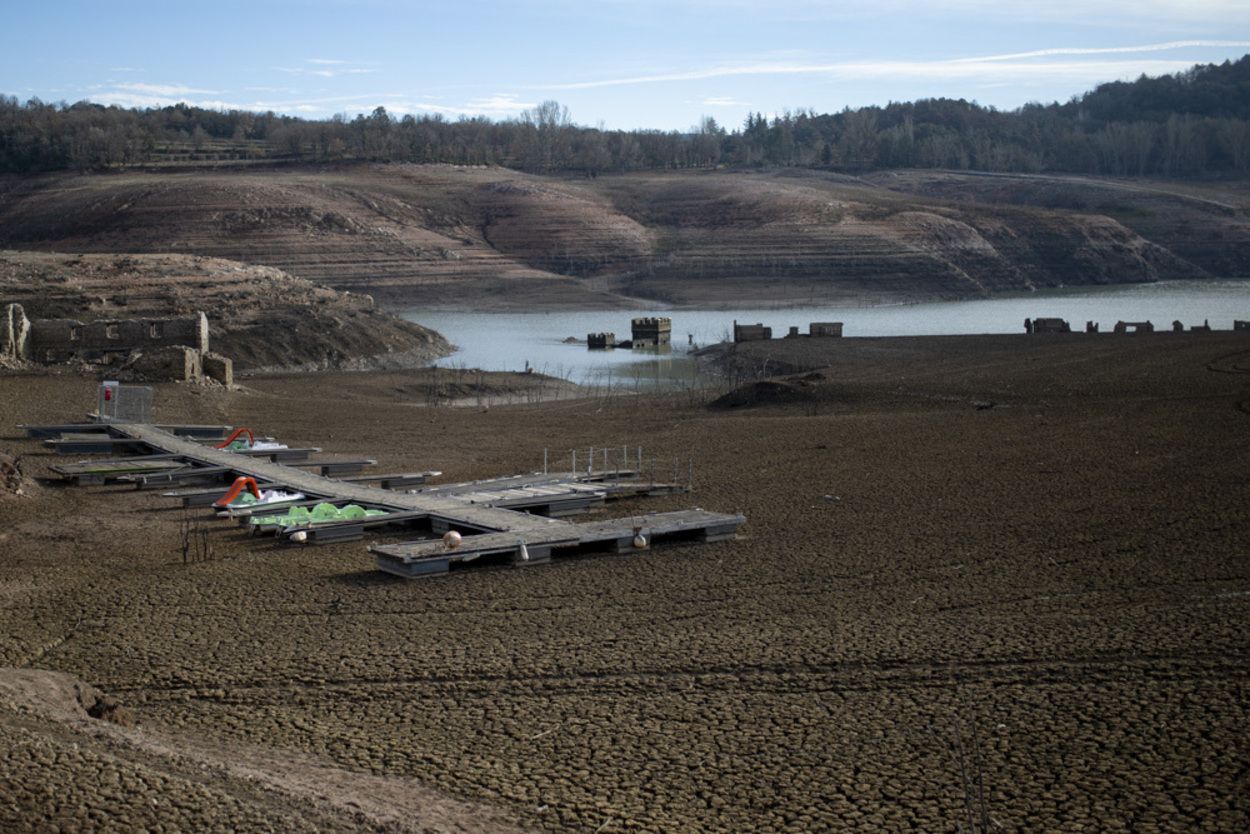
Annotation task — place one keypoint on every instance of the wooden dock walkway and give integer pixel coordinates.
(427, 558)
(497, 517)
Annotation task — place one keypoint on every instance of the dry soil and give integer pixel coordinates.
(1012, 568)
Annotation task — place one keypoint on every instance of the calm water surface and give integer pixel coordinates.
(508, 341)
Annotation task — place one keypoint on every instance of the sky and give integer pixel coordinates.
(661, 64)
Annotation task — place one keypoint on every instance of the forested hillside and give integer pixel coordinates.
(1194, 123)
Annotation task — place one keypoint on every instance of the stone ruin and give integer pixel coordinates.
(651, 331)
(825, 329)
(600, 341)
(155, 348)
(10, 474)
(752, 332)
(1047, 325)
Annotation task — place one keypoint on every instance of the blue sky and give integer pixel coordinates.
(619, 63)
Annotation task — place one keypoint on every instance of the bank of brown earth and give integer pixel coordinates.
(262, 318)
(491, 238)
(1056, 584)
(1201, 222)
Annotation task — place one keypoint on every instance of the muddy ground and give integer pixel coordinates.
(1033, 550)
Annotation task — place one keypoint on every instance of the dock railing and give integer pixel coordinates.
(614, 464)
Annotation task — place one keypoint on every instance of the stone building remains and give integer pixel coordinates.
(1047, 325)
(166, 348)
(651, 331)
(600, 341)
(826, 329)
(752, 332)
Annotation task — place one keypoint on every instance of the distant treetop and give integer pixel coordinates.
(1193, 123)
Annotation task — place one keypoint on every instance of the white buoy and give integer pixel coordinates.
(451, 540)
(640, 541)
(525, 552)
(299, 536)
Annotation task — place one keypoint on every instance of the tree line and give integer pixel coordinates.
(1193, 123)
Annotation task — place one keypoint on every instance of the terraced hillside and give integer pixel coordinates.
(1204, 223)
(493, 238)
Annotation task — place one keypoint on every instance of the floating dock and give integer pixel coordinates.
(518, 520)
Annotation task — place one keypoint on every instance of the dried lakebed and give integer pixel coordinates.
(1058, 580)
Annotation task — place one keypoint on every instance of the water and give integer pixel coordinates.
(510, 341)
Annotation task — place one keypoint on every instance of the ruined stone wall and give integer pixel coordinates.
(174, 362)
(752, 332)
(218, 367)
(600, 341)
(61, 340)
(14, 334)
(826, 329)
(652, 330)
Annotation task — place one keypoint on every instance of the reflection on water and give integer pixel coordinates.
(515, 341)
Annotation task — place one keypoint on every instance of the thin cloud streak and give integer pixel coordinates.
(992, 67)
(164, 89)
(1156, 11)
(168, 95)
(1105, 70)
(1108, 50)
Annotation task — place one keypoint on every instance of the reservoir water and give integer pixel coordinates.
(514, 341)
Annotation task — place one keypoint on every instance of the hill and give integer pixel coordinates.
(491, 238)
(262, 318)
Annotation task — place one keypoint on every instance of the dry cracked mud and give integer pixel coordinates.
(1056, 585)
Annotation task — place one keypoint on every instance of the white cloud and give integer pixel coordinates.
(498, 105)
(722, 101)
(142, 101)
(331, 68)
(1119, 12)
(1109, 50)
(501, 104)
(991, 68)
(140, 88)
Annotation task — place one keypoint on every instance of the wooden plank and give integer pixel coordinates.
(178, 476)
(93, 444)
(279, 455)
(330, 467)
(57, 429)
(391, 481)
